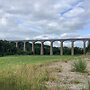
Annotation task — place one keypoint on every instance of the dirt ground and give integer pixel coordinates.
(62, 76)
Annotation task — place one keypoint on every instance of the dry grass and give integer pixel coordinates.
(27, 77)
(48, 76)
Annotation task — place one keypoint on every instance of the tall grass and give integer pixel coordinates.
(24, 78)
(88, 85)
(79, 65)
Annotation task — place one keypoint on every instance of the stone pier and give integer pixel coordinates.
(51, 48)
(84, 47)
(61, 48)
(72, 48)
(42, 48)
(33, 48)
(24, 47)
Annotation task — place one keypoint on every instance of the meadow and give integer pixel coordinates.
(11, 61)
(32, 72)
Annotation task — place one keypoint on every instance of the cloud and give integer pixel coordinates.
(21, 19)
(70, 35)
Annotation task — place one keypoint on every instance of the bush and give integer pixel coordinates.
(21, 52)
(79, 66)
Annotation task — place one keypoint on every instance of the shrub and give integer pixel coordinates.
(79, 65)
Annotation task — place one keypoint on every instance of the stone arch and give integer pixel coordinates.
(56, 47)
(38, 45)
(46, 47)
(67, 47)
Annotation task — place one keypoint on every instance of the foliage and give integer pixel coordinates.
(78, 50)
(67, 51)
(7, 48)
(79, 65)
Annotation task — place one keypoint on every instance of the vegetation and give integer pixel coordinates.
(12, 61)
(26, 77)
(9, 48)
(28, 72)
(79, 65)
(88, 84)
(33, 72)
(75, 81)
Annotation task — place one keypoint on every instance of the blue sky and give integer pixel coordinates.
(44, 19)
(86, 31)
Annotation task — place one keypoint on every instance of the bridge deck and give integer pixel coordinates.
(68, 39)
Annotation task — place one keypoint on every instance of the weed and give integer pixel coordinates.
(75, 81)
(79, 66)
(88, 85)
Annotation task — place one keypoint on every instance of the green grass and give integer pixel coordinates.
(28, 72)
(79, 65)
(25, 77)
(19, 60)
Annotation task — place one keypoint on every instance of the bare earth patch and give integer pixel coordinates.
(62, 76)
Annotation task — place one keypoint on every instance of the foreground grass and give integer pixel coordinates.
(25, 77)
(28, 72)
(29, 77)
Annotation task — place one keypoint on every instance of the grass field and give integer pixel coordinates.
(19, 60)
(28, 72)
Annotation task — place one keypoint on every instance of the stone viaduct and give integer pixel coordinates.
(72, 40)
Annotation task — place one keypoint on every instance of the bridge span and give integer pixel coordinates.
(72, 40)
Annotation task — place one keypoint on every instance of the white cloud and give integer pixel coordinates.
(3, 21)
(22, 19)
(70, 35)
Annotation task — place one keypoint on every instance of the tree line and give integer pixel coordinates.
(9, 48)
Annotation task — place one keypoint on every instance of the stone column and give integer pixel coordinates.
(51, 48)
(61, 48)
(42, 47)
(33, 48)
(72, 49)
(16, 44)
(84, 47)
(24, 47)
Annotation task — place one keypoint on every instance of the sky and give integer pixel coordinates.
(44, 19)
